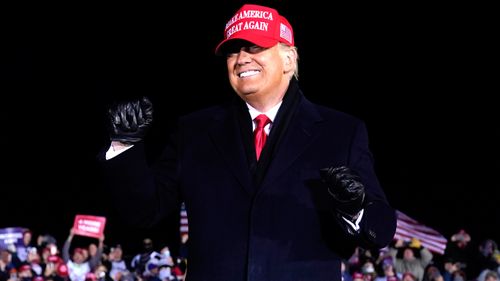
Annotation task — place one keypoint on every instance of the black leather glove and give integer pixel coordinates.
(345, 187)
(130, 120)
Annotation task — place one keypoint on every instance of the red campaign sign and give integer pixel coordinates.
(91, 226)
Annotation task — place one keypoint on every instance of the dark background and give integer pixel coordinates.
(419, 75)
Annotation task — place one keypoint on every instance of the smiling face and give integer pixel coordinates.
(260, 76)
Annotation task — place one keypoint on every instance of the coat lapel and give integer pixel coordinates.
(300, 134)
(226, 136)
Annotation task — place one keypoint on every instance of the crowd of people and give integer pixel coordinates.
(45, 259)
(410, 261)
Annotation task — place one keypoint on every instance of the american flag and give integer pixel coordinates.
(286, 33)
(408, 228)
(184, 228)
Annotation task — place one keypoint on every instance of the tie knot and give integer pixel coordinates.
(261, 120)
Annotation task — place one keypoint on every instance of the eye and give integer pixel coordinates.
(251, 49)
(254, 49)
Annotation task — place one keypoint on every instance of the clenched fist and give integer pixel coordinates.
(130, 120)
(346, 189)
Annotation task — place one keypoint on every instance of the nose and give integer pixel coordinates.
(243, 56)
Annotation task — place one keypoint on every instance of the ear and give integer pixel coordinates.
(289, 59)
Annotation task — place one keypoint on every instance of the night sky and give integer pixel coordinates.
(417, 75)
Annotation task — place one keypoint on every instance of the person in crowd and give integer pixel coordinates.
(411, 257)
(26, 245)
(139, 261)
(78, 266)
(388, 270)
(116, 264)
(484, 258)
(459, 253)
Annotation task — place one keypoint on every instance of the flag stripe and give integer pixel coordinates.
(414, 224)
(408, 228)
(413, 234)
(430, 243)
(436, 249)
(184, 227)
(431, 237)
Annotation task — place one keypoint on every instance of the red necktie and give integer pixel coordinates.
(259, 135)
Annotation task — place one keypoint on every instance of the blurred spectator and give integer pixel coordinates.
(117, 266)
(94, 253)
(78, 266)
(101, 273)
(452, 269)
(488, 275)
(344, 269)
(24, 272)
(52, 265)
(432, 273)
(459, 251)
(183, 252)
(484, 258)
(23, 249)
(34, 260)
(410, 257)
(408, 276)
(138, 263)
(368, 270)
(389, 272)
(8, 261)
(42, 241)
(359, 257)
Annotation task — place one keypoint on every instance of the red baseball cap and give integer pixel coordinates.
(25, 267)
(260, 25)
(53, 259)
(62, 270)
(357, 275)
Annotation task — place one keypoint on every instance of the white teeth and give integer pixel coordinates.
(248, 73)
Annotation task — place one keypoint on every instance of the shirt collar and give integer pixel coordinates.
(271, 113)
